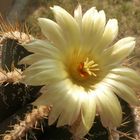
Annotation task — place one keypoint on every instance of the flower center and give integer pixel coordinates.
(88, 68)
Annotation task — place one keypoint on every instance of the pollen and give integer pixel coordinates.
(88, 68)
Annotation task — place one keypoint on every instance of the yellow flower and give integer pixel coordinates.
(81, 69)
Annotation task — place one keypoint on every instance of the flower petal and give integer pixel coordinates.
(124, 71)
(126, 80)
(54, 98)
(52, 31)
(108, 107)
(78, 15)
(88, 111)
(43, 48)
(126, 75)
(36, 45)
(30, 59)
(71, 112)
(123, 91)
(88, 25)
(110, 33)
(70, 28)
(35, 73)
(119, 50)
(93, 24)
(58, 109)
(53, 92)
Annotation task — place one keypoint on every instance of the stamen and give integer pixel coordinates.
(88, 68)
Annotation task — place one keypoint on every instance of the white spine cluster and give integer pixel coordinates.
(31, 120)
(10, 77)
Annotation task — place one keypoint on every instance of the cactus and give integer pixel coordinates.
(19, 118)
